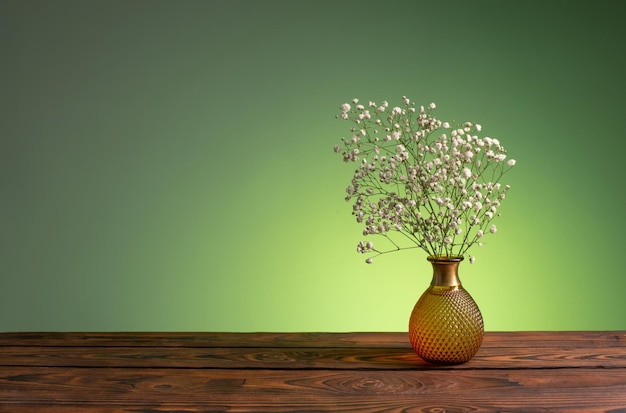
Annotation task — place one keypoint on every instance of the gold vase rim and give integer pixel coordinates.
(445, 258)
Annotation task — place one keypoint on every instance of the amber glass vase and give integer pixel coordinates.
(446, 326)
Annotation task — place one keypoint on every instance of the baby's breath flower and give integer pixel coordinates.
(433, 183)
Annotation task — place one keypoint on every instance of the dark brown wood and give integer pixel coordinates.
(321, 372)
(361, 339)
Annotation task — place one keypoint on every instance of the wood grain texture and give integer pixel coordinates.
(364, 339)
(309, 372)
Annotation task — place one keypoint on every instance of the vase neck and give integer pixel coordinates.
(445, 271)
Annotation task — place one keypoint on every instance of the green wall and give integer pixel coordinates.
(168, 165)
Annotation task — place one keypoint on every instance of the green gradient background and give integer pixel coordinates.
(169, 165)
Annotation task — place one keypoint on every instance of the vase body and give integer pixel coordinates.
(446, 326)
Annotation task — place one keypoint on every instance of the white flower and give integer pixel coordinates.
(493, 229)
(369, 260)
(472, 259)
(426, 179)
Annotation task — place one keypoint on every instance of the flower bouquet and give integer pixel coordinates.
(420, 182)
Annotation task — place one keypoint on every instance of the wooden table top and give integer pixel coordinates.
(307, 372)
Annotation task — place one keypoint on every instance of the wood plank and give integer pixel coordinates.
(563, 339)
(183, 339)
(305, 358)
(524, 339)
(370, 406)
(184, 390)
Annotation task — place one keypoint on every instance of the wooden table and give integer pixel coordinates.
(314, 372)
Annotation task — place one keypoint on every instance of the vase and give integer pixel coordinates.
(446, 326)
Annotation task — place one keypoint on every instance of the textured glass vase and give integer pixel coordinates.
(446, 326)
